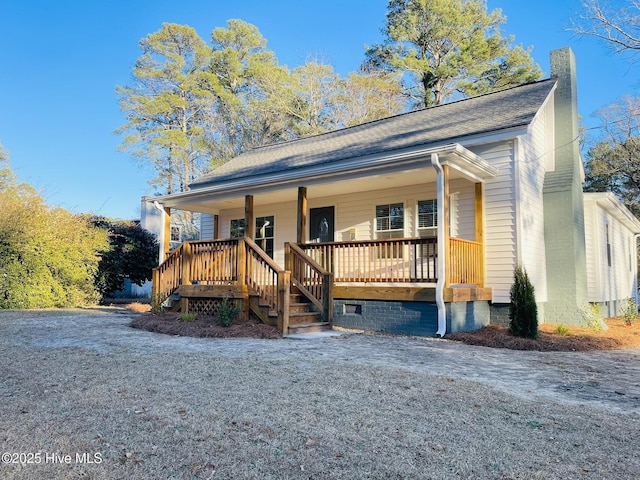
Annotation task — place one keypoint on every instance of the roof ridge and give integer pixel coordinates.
(397, 115)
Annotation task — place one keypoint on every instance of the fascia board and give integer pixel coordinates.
(379, 163)
(608, 202)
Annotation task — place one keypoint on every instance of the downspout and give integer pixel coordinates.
(440, 264)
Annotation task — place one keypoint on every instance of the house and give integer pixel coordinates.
(411, 224)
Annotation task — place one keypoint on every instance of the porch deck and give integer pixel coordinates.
(397, 269)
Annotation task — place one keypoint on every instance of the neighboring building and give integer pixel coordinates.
(411, 224)
(611, 246)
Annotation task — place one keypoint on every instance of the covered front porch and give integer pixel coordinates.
(316, 244)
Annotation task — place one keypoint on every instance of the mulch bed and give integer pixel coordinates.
(203, 327)
(617, 336)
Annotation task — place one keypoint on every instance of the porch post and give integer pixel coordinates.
(302, 214)
(249, 219)
(166, 240)
(216, 227)
(479, 220)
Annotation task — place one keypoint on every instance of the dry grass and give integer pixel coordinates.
(617, 336)
(138, 307)
(158, 407)
(204, 416)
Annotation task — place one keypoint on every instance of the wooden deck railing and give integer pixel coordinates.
(400, 260)
(314, 267)
(167, 277)
(394, 260)
(207, 262)
(313, 281)
(236, 261)
(465, 262)
(269, 281)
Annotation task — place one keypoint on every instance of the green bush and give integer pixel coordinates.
(132, 254)
(523, 311)
(228, 312)
(592, 313)
(48, 256)
(187, 317)
(629, 310)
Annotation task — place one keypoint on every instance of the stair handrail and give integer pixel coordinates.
(166, 277)
(313, 281)
(190, 262)
(267, 279)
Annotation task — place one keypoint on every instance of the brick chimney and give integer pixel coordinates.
(563, 203)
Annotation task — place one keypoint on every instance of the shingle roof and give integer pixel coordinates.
(514, 107)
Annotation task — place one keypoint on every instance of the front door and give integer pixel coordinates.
(321, 224)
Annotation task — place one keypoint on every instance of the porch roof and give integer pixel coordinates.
(380, 171)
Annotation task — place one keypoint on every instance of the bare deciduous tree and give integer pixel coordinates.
(618, 27)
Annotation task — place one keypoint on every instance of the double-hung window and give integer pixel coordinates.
(389, 224)
(237, 228)
(389, 221)
(265, 228)
(427, 218)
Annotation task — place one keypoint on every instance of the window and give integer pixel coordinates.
(237, 228)
(427, 218)
(390, 221)
(606, 227)
(389, 224)
(265, 233)
(175, 234)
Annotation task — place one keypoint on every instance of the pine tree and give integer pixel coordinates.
(523, 311)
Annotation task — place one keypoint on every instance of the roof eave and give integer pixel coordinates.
(458, 157)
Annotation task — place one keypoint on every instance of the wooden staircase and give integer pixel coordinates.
(302, 317)
(296, 300)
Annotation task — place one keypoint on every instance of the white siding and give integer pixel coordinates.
(357, 210)
(608, 282)
(285, 218)
(500, 220)
(463, 221)
(530, 168)
(206, 226)
(592, 243)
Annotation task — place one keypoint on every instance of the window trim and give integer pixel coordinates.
(389, 231)
(257, 239)
(608, 242)
(244, 227)
(434, 227)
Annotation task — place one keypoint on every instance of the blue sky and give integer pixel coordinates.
(62, 59)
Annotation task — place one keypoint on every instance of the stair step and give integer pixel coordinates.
(299, 307)
(297, 318)
(311, 327)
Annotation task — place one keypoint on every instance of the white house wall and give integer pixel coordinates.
(532, 150)
(357, 211)
(606, 283)
(500, 219)
(206, 226)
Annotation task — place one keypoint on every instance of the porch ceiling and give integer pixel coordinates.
(465, 165)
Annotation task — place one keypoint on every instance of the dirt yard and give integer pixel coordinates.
(83, 395)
